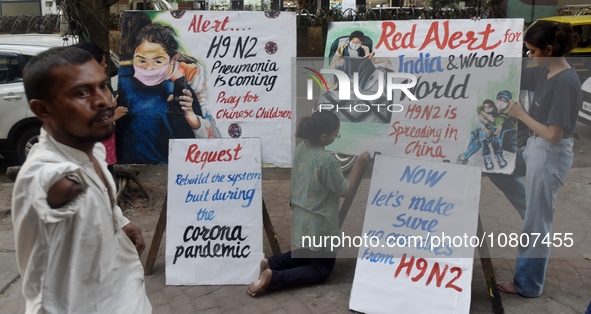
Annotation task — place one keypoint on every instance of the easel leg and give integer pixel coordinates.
(160, 226)
(349, 199)
(489, 272)
(270, 231)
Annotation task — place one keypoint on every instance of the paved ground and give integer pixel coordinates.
(567, 288)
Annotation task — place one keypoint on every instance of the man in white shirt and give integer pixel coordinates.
(75, 250)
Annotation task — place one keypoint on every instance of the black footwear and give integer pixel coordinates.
(461, 160)
(488, 163)
(501, 160)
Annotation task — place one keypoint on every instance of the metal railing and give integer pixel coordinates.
(323, 18)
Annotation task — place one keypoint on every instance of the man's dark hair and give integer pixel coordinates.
(356, 34)
(37, 75)
(490, 102)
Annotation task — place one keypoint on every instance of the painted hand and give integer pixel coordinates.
(186, 103)
(120, 112)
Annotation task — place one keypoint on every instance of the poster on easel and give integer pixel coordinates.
(420, 220)
(197, 74)
(214, 221)
(465, 75)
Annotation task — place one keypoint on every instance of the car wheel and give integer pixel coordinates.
(26, 141)
(347, 162)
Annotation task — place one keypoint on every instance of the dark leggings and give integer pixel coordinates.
(303, 268)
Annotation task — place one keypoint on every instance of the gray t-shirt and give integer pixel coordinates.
(557, 100)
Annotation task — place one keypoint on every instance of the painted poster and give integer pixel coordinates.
(462, 75)
(214, 222)
(191, 74)
(421, 220)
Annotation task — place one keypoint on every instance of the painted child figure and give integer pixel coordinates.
(317, 183)
(157, 57)
(489, 132)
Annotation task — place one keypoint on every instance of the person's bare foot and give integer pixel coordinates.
(255, 287)
(264, 266)
(507, 287)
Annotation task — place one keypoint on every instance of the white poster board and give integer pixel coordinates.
(459, 65)
(235, 63)
(214, 220)
(416, 198)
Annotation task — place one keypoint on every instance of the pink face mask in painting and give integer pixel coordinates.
(150, 77)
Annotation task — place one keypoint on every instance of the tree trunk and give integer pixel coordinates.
(95, 17)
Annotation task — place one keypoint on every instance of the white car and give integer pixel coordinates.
(585, 112)
(19, 127)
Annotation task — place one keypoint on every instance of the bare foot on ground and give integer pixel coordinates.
(264, 266)
(507, 287)
(255, 287)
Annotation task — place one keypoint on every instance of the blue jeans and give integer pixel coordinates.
(305, 269)
(544, 166)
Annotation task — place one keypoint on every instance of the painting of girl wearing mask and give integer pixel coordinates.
(166, 93)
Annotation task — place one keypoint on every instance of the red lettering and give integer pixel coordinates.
(485, 35)
(404, 264)
(194, 155)
(388, 29)
(236, 151)
(205, 24)
(433, 35)
(273, 113)
(235, 100)
(190, 152)
(398, 40)
(450, 283)
(200, 26)
(455, 36)
(439, 275)
(234, 114)
(455, 40)
(424, 149)
(422, 266)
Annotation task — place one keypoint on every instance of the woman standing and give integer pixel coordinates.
(547, 157)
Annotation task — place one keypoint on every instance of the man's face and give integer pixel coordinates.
(79, 105)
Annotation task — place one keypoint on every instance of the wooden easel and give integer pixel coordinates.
(161, 225)
(487, 266)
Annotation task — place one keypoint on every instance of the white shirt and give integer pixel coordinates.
(73, 259)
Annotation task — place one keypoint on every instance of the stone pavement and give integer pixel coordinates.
(567, 288)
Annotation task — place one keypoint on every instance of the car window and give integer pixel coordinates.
(585, 36)
(10, 70)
